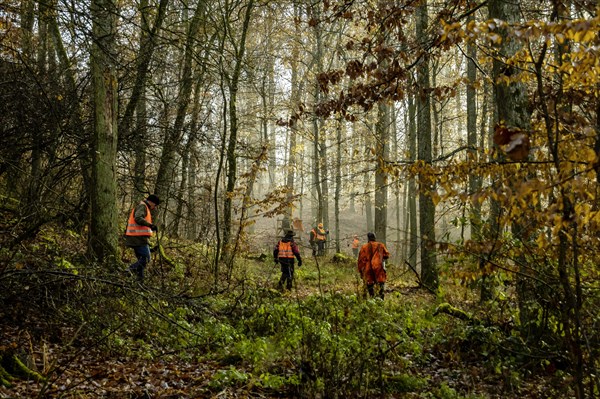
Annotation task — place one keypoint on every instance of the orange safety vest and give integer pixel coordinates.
(320, 234)
(134, 229)
(285, 250)
(355, 243)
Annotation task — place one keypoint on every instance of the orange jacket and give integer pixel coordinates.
(355, 243)
(134, 229)
(370, 262)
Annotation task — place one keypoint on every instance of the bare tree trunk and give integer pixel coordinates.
(413, 245)
(429, 273)
(338, 182)
(34, 186)
(294, 105)
(381, 177)
(137, 101)
(473, 157)
(103, 226)
(146, 51)
(367, 188)
(511, 104)
(140, 144)
(319, 143)
(166, 169)
(233, 85)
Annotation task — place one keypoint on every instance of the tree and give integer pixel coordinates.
(295, 95)
(413, 228)
(429, 273)
(232, 80)
(137, 102)
(166, 169)
(319, 168)
(103, 226)
(381, 176)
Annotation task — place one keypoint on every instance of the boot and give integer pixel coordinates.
(381, 290)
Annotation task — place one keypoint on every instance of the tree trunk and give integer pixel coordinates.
(338, 182)
(103, 227)
(413, 245)
(473, 158)
(367, 187)
(146, 51)
(233, 85)
(429, 273)
(381, 177)
(512, 107)
(166, 169)
(294, 107)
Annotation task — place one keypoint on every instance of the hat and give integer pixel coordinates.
(371, 236)
(289, 233)
(153, 198)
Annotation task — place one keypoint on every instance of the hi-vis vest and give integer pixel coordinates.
(285, 250)
(134, 229)
(355, 243)
(320, 234)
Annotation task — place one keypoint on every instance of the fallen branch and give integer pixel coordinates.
(453, 311)
(419, 278)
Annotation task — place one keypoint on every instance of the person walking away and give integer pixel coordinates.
(284, 253)
(371, 264)
(355, 246)
(137, 235)
(318, 239)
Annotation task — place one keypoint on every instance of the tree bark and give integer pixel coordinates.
(381, 175)
(413, 244)
(429, 273)
(233, 86)
(166, 169)
(338, 181)
(148, 37)
(512, 110)
(103, 227)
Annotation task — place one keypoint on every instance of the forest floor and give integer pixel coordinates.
(77, 364)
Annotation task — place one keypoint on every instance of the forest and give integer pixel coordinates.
(463, 135)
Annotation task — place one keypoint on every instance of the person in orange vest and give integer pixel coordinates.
(137, 235)
(371, 265)
(355, 245)
(284, 253)
(318, 238)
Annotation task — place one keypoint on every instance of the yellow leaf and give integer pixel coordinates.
(435, 197)
(584, 36)
(589, 155)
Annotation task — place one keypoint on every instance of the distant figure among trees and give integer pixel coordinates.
(371, 265)
(284, 252)
(355, 245)
(318, 239)
(138, 232)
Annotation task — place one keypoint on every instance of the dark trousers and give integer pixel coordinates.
(142, 254)
(287, 273)
(371, 290)
(320, 248)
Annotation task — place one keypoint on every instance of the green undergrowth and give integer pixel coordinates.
(322, 339)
